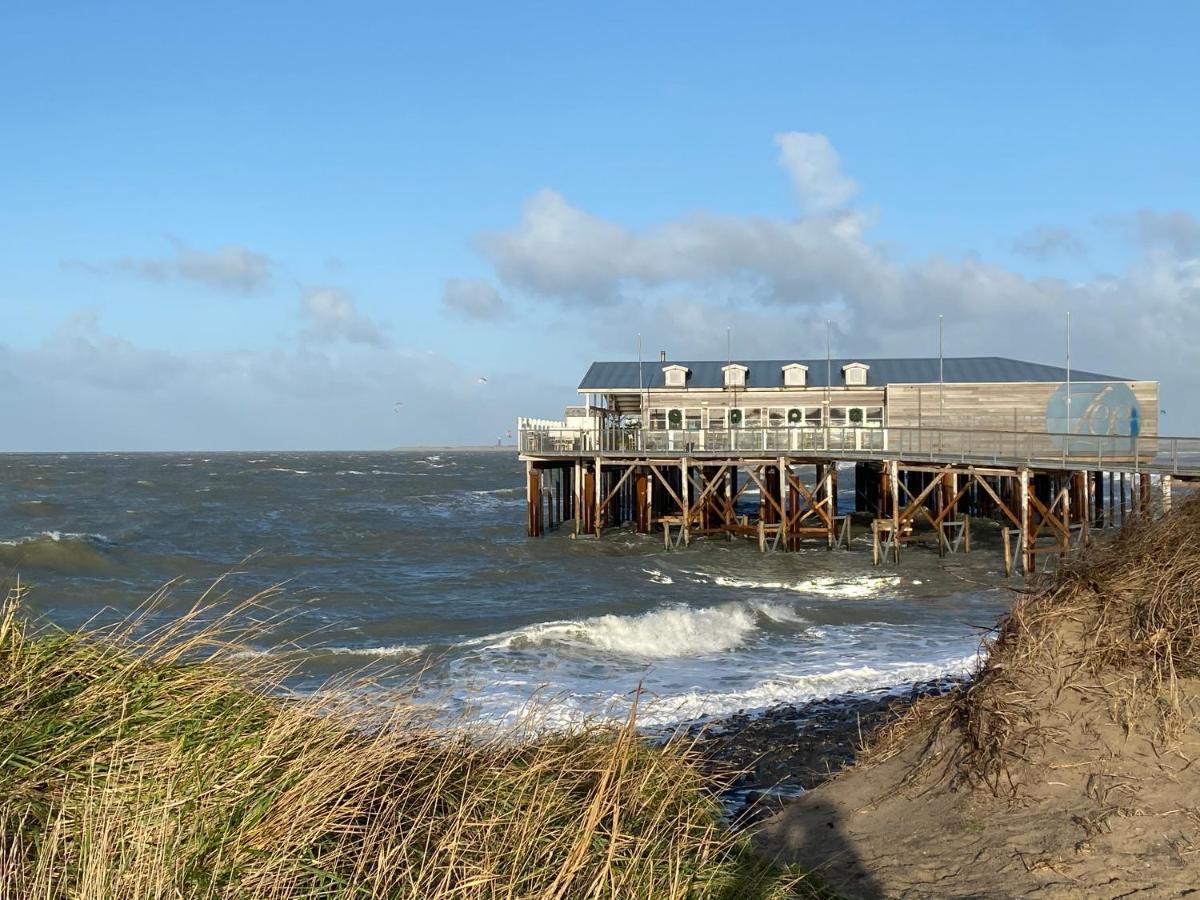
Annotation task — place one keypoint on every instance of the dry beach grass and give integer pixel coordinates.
(1068, 767)
(141, 762)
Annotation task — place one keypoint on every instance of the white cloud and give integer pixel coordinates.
(775, 281)
(475, 298)
(815, 170)
(85, 388)
(230, 268)
(332, 315)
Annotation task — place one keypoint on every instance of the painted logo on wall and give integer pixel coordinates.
(1101, 409)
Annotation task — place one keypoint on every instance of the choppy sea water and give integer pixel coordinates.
(418, 563)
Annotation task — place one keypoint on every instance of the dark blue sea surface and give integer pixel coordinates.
(417, 562)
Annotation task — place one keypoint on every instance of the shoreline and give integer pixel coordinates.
(761, 760)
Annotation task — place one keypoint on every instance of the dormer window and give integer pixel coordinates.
(795, 375)
(735, 375)
(855, 374)
(675, 376)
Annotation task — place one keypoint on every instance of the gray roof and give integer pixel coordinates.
(768, 373)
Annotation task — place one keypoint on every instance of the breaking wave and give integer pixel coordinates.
(663, 633)
(56, 551)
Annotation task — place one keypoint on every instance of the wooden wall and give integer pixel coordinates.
(998, 407)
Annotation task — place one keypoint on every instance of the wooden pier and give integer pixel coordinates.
(1048, 492)
(751, 449)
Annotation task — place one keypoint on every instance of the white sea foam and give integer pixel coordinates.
(824, 586)
(659, 577)
(401, 650)
(663, 633)
(665, 710)
(58, 537)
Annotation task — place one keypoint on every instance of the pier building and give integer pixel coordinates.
(751, 448)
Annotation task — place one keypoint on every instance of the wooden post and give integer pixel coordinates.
(587, 509)
(579, 504)
(1123, 507)
(534, 499)
(894, 479)
(1144, 493)
(684, 495)
(783, 503)
(1166, 482)
(830, 489)
(833, 495)
(598, 499)
(642, 502)
(1026, 531)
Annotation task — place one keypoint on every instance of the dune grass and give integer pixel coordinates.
(152, 763)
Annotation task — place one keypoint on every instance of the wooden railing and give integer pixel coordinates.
(1163, 455)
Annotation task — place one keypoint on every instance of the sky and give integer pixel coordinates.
(360, 226)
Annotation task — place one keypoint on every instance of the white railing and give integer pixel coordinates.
(1164, 455)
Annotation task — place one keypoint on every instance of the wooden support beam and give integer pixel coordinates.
(687, 510)
(1166, 483)
(534, 499)
(894, 478)
(783, 492)
(1026, 536)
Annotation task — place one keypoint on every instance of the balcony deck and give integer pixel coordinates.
(1175, 456)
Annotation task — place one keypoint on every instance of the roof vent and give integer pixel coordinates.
(795, 375)
(675, 376)
(662, 356)
(855, 373)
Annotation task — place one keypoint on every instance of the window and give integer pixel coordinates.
(692, 420)
(658, 419)
(837, 417)
(795, 375)
(855, 373)
(874, 417)
(735, 375)
(812, 417)
(776, 417)
(716, 419)
(753, 418)
(675, 376)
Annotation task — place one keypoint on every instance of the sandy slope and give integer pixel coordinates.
(1069, 769)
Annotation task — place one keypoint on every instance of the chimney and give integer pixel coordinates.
(662, 355)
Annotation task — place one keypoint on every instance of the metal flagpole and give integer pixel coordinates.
(828, 367)
(1068, 427)
(941, 379)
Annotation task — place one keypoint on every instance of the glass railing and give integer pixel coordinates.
(1168, 455)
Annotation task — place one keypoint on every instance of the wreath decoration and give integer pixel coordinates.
(795, 417)
(735, 417)
(675, 417)
(856, 415)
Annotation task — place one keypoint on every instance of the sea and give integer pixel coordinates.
(414, 568)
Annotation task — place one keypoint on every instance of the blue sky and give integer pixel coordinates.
(256, 225)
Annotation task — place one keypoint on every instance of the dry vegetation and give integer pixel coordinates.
(1067, 768)
(1119, 626)
(162, 766)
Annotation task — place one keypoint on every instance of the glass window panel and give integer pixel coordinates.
(692, 420)
(754, 417)
(658, 419)
(777, 417)
(812, 417)
(837, 416)
(716, 419)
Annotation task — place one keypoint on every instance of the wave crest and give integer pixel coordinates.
(663, 633)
